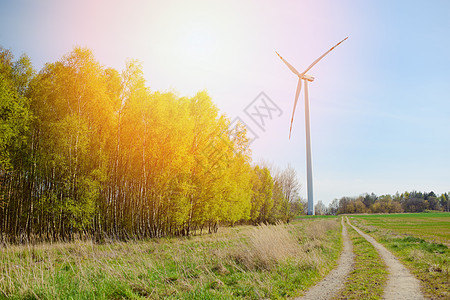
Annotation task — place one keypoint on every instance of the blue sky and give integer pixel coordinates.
(380, 104)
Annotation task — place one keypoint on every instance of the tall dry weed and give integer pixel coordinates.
(317, 230)
(269, 245)
(266, 246)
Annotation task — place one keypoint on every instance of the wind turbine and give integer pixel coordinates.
(305, 77)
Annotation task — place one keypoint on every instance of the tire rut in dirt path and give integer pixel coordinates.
(401, 284)
(329, 287)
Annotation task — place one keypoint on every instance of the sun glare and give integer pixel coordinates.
(198, 45)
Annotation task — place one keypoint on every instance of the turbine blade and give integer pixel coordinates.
(297, 93)
(323, 55)
(288, 65)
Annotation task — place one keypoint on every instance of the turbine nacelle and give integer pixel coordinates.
(307, 77)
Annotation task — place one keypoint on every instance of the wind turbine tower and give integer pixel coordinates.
(305, 77)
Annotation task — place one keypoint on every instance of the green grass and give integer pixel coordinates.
(369, 275)
(410, 237)
(243, 262)
(433, 226)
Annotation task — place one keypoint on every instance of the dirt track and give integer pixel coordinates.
(335, 280)
(400, 283)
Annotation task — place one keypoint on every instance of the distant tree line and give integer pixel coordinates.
(370, 203)
(88, 151)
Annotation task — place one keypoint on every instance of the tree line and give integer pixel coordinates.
(370, 203)
(88, 151)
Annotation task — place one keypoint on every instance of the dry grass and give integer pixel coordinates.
(251, 262)
(268, 246)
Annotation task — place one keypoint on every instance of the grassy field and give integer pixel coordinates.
(420, 241)
(434, 227)
(242, 262)
(369, 275)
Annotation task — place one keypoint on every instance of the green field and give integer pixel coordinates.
(241, 262)
(420, 241)
(429, 226)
